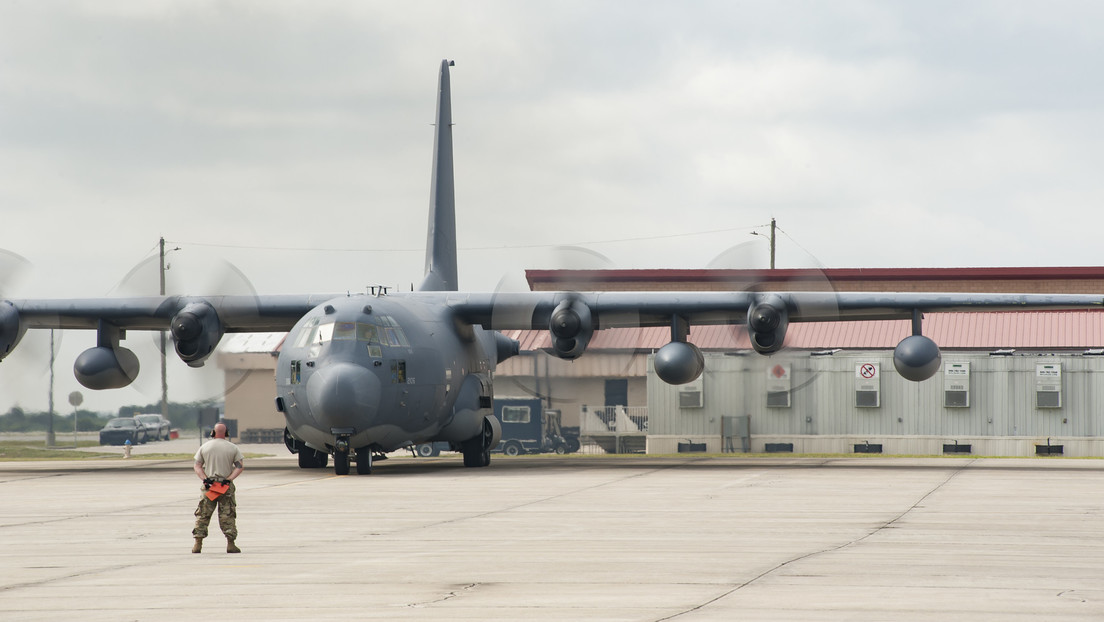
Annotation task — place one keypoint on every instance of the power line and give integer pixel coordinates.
(465, 248)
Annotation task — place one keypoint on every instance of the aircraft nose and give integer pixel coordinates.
(343, 395)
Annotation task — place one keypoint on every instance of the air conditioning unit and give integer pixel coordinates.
(778, 399)
(868, 385)
(956, 385)
(778, 385)
(691, 394)
(1048, 385)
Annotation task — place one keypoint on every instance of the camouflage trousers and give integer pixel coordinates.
(227, 507)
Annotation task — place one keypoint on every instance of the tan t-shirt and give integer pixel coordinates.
(218, 456)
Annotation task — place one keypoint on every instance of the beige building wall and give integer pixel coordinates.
(569, 395)
(251, 390)
(569, 385)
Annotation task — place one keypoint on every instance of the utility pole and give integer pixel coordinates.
(772, 243)
(773, 227)
(164, 343)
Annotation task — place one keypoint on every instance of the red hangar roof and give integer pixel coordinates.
(1077, 279)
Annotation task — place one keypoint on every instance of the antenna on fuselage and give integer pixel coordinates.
(440, 266)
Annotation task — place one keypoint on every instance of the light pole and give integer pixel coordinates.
(50, 419)
(75, 400)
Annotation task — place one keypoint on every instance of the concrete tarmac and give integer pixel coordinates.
(562, 538)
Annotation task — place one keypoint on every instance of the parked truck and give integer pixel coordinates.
(529, 427)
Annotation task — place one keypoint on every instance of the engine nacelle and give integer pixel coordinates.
(196, 330)
(505, 347)
(571, 328)
(679, 362)
(917, 358)
(10, 329)
(766, 324)
(102, 368)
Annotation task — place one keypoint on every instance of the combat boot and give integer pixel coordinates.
(198, 546)
(231, 547)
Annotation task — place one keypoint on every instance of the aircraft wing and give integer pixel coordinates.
(196, 323)
(534, 310)
(571, 318)
(235, 313)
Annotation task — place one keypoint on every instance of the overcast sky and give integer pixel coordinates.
(293, 140)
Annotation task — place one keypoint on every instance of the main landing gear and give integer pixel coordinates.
(477, 451)
(311, 459)
(308, 458)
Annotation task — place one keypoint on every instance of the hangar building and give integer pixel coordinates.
(1011, 384)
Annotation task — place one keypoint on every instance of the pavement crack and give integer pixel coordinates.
(449, 596)
(66, 577)
(829, 549)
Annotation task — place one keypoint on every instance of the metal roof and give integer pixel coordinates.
(537, 277)
(244, 343)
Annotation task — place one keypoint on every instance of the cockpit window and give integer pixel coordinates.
(344, 331)
(395, 337)
(306, 333)
(322, 334)
(385, 332)
(391, 333)
(367, 332)
(382, 331)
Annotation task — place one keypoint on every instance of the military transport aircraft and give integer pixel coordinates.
(369, 373)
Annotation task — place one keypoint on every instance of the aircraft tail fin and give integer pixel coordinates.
(440, 266)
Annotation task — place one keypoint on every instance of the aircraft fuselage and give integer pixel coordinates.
(383, 372)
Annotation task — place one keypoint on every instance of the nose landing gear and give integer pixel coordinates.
(341, 451)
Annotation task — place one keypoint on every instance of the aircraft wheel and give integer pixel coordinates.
(311, 459)
(477, 451)
(470, 456)
(341, 462)
(475, 455)
(512, 448)
(364, 461)
(426, 450)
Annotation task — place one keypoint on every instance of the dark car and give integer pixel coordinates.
(157, 426)
(122, 429)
